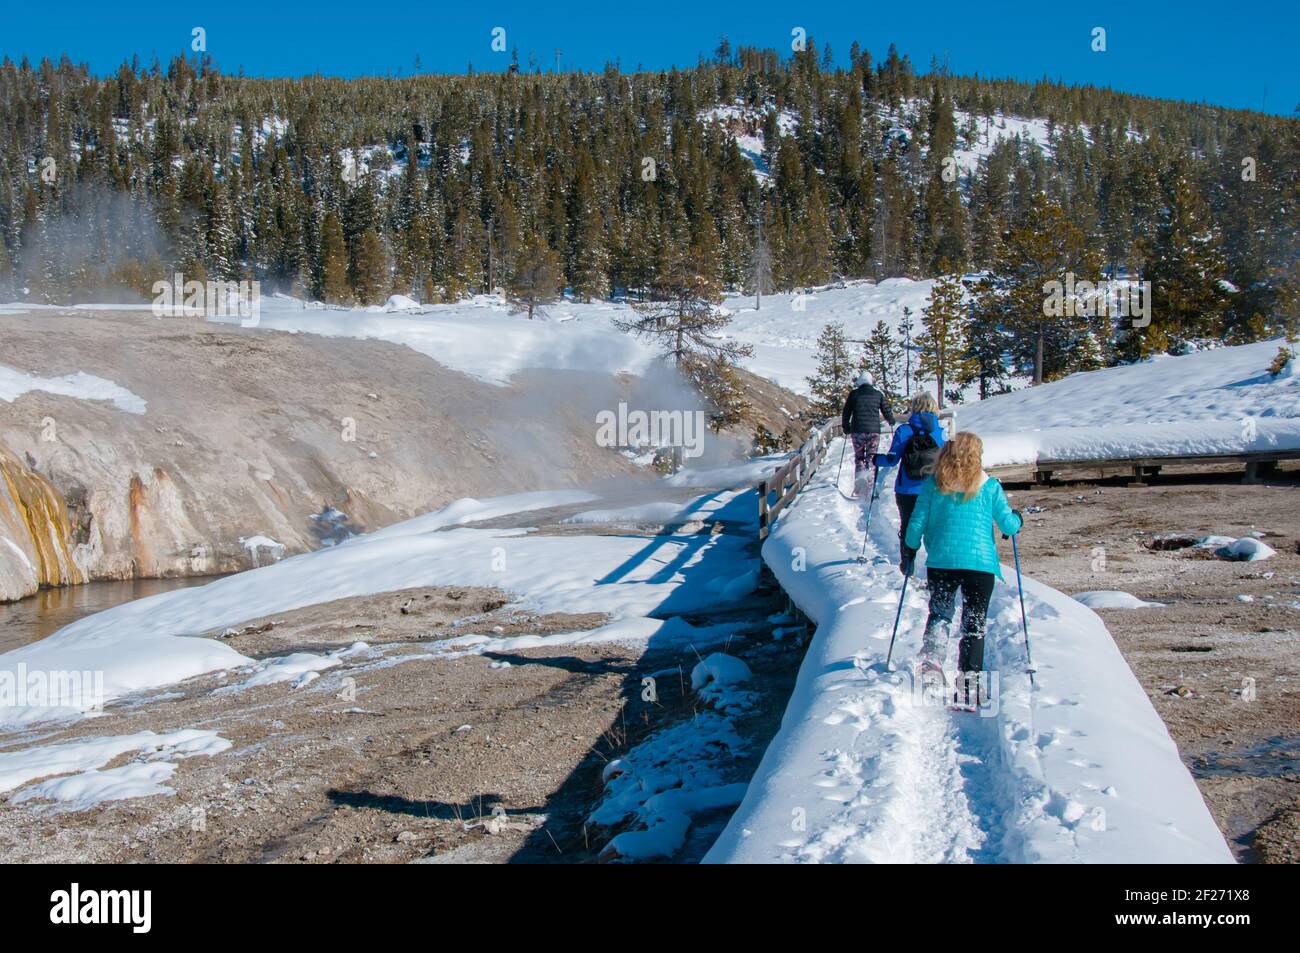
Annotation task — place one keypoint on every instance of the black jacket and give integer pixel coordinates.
(863, 409)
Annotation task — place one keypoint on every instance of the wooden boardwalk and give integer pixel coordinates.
(1141, 469)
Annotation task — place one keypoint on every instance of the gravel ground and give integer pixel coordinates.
(1224, 627)
(482, 758)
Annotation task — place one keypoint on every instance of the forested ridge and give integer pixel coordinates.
(608, 178)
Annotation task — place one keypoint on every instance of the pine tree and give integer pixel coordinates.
(334, 288)
(760, 268)
(588, 273)
(883, 357)
(986, 345)
(537, 277)
(907, 347)
(834, 374)
(681, 314)
(370, 274)
(717, 379)
(1186, 270)
(1041, 248)
(942, 346)
(683, 321)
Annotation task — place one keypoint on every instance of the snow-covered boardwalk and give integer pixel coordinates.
(1078, 768)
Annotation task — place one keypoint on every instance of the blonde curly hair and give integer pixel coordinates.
(923, 402)
(960, 466)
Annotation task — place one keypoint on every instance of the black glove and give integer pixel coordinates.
(1022, 523)
(908, 562)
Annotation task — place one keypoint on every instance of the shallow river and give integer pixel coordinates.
(35, 617)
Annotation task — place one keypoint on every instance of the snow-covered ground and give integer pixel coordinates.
(642, 583)
(1209, 402)
(74, 773)
(1076, 768)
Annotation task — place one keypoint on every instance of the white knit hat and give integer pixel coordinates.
(864, 378)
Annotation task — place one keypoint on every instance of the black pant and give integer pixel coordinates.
(976, 589)
(906, 503)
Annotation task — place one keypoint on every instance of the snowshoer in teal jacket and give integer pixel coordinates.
(954, 517)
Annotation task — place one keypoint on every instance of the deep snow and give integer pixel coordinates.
(1209, 402)
(1078, 768)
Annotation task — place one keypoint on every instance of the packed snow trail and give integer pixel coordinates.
(1077, 769)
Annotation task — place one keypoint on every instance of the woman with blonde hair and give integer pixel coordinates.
(955, 513)
(916, 446)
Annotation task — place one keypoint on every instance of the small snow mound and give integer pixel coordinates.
(259, 543)
(1113, 599)
(719, 669)
(401, 303)
(83, 791)
(1247, 549)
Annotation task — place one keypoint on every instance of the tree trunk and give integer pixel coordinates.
(1038, 357)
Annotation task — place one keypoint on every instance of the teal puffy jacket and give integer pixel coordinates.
(958, 534)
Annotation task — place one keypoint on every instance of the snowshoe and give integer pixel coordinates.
(933, 681)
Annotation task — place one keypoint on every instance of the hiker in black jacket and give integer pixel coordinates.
(860, 419)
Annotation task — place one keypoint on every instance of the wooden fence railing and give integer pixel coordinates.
(777, 491)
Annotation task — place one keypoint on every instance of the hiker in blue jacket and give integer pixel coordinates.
(916, 446)
(955, 513)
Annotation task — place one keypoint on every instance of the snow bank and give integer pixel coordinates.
(14, 383)
(679, 771)
(1113, 599)
(18, 767)
(1220, 401)
(1078, 769)
(82, 791)
(150, 642)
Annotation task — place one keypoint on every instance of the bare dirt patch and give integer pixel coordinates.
(1220, 659)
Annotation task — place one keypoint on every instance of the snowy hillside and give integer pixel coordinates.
(1076, 768)
(1210, 402)
(784, 330)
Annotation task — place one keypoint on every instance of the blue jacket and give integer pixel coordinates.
(958, 533)
(925, 422)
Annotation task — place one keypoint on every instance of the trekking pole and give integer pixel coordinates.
(871, 506)
(898, 615)
(840, 469)
(1024, 621)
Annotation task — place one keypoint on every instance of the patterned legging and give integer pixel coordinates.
(864, 448)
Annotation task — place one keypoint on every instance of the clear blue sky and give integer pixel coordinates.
(1233, 54)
